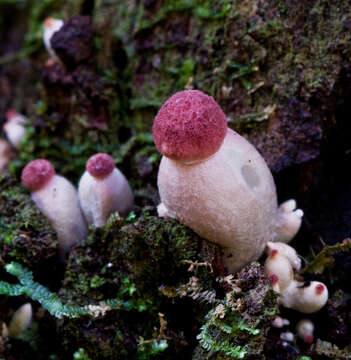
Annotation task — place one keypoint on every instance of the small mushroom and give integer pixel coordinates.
(51, 26)
(14, 127)
(102, 190)
(21, 320)
(58, 200)
(305, 329)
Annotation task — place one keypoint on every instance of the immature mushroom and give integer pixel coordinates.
(14, 127)
(21, 320)
(51, 26)
(58, 200)
(214, 181)
(305, 330)
(102, 190)
(293, 294)
(4, 154)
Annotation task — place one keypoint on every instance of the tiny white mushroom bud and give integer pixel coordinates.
(102, 190)
(305, 299)
(305, 329)
(279, 322)
(279, 266)
(21, 320)
(58, 200)
(4, 154)
(14, 127)
(286, 251)
(287, 336)
(288, 221)
(51, 26)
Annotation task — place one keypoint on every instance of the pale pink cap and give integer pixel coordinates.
(100, 165)
(37, 173)
(189, 126)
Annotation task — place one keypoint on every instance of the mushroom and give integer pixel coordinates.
(305, 329)
(14, 127)
(214, 181)
(102, 190)
(20, 320)
(293, 294)
(51, 26)
(58, 200)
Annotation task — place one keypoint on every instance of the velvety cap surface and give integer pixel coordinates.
(37, 173)
(100, 165)
(189, 126)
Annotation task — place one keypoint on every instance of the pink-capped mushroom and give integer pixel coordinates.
(58, 200)
(103, 189)
(214, 181)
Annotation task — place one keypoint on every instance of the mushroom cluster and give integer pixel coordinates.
(102, 190)
(279, 267)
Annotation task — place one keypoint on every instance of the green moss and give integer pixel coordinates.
(25, 235)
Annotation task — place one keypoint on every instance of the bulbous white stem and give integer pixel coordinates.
(229, 199)
(99, 198)
(58, 201)
(21, 320)
(285, 250)
(49, 31)
(287, 222)
(304, 299)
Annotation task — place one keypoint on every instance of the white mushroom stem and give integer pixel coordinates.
(21, 320)
(58, 201)
(99, 198)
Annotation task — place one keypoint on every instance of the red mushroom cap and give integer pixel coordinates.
(37, 173)
(100, 165)
(190, 126)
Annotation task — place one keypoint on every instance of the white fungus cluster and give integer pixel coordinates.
(281, 261)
